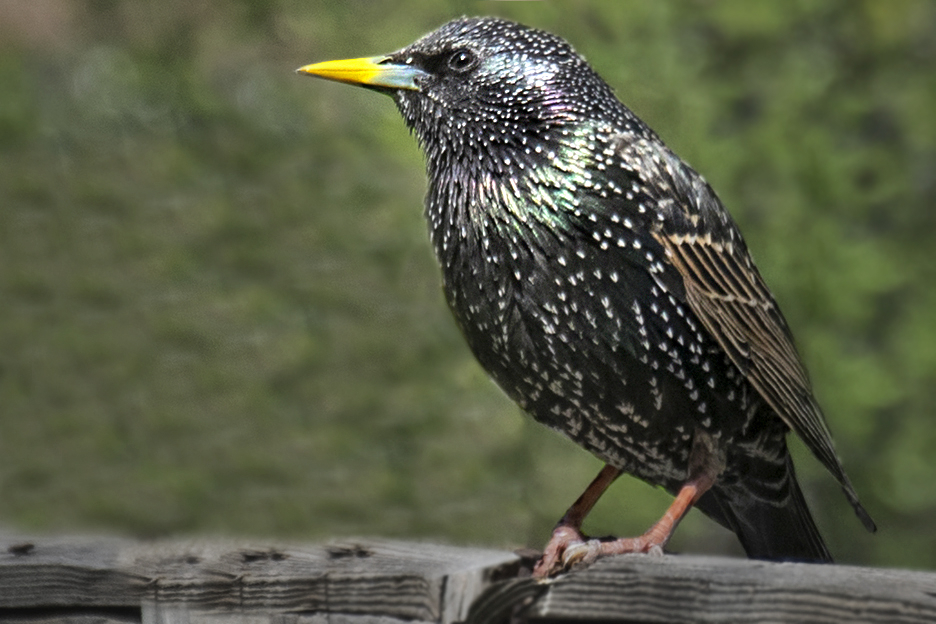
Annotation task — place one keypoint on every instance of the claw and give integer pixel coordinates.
(581, 554)
(551, 562)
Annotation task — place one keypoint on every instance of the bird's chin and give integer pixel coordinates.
(411, 108)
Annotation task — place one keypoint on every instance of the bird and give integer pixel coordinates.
(601, 283)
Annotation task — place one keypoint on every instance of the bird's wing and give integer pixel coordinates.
(729, 296)
(725, 290)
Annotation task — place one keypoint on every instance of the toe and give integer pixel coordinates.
(581, 554)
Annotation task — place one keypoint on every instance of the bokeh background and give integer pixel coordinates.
(219, 311)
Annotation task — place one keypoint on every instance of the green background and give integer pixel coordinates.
(219, 312)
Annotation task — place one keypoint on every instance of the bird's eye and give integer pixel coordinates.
(461, 60)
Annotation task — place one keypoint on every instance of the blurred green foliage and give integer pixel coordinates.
(219, 312)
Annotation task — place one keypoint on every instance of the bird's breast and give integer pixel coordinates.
(571, 315)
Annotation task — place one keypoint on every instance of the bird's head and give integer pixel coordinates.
(476, 83)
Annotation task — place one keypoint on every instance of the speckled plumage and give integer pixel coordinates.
(600, 282)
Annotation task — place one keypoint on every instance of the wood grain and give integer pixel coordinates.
(703, 589)
(188, 581)
(114, 581)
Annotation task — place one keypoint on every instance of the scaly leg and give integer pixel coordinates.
(652, 541)
(568, 547)
(568, 530)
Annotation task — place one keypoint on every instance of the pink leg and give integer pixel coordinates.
(653, 540)
(568, 530)
(568, 546)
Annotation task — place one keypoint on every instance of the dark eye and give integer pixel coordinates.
(461, 60)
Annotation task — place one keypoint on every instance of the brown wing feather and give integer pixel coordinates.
(724, 289)
(729, 296)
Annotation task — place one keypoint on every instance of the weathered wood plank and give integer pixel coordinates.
(112, 581)
(58, 616)
(187, 581)
(706, 589)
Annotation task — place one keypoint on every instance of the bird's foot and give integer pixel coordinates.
(569, 549)
(585, 553)
(563, 538)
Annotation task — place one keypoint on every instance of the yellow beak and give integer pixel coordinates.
(373, 71)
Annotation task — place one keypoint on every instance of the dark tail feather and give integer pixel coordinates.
(768, 513)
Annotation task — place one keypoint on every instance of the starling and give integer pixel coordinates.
(600, 282)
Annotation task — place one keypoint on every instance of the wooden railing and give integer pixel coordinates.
(201, 581)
